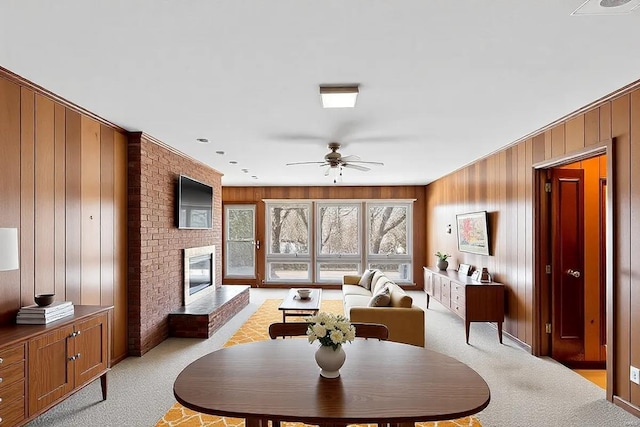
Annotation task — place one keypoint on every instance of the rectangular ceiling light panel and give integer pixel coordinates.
(339, 96)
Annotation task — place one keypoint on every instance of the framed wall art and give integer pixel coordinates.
(473, 236)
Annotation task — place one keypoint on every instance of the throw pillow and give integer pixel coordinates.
(365, 280)
(381, 299)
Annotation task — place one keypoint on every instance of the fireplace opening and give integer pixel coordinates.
(199, 272)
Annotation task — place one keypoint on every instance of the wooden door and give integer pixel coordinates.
(90, 349)
(567, 294)
(50, 370)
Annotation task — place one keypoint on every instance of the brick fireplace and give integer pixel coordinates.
(155, 270)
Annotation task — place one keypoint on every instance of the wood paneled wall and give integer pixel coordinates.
(231, 195)
(502, 184)
(63, 185)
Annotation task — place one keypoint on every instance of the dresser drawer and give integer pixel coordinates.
(457, 298)
(12, 413)
(457, 289)
(11, 374)
(458, 309)
(11, 355)
(11, 392)
(445, 286)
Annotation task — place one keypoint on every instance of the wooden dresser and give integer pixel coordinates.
(41, 365)
(471, 300)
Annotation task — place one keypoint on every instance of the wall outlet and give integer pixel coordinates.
(634, 375)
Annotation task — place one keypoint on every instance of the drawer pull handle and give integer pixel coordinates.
(0, 379)
(1, 360)
(74, 334)
(74, 357)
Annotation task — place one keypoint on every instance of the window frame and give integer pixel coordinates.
(280, 258)
(364, 259)
(407, 257)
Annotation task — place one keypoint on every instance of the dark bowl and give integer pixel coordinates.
(44, 300)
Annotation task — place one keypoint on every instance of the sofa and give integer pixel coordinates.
(374, 298)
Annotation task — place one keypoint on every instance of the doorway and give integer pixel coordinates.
(571, 259)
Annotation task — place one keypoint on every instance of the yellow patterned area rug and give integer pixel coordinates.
(256, 329)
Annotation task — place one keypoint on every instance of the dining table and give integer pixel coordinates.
(380, 382)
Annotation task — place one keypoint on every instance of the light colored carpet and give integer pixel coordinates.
(256, 329)
(525, 390)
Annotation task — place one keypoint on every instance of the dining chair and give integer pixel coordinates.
(290, 329)
(371, 330)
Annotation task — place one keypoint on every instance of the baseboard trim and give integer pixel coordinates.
(523, 345)
(629, 407)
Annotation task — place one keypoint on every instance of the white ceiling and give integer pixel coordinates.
(442, 82)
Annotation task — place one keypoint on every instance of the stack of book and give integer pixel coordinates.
(36, 315)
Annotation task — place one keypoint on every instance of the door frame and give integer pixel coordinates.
(258, 238)
(542, 253)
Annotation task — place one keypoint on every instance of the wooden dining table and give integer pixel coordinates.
(381, 382)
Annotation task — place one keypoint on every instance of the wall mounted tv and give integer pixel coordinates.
(195, 204)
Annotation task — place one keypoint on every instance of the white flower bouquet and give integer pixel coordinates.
(330, 329)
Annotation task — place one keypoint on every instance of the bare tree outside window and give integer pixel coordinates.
(339, 230)
(387, 230)
(289, 230)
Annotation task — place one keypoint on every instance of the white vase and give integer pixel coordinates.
(330, 360)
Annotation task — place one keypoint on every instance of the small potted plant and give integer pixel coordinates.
(442, 260)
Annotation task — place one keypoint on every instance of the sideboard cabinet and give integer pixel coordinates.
(471, 300)
(41, 365)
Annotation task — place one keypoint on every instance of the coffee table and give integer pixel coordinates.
(294, 306)
(380, 382)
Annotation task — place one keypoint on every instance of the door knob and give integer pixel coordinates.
(574, 273)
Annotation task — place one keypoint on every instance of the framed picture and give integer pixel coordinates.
(473, 236)
(464, 269)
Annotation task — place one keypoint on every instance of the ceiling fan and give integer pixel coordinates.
(336, 161)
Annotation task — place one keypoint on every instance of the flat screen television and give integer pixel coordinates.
(195, 204)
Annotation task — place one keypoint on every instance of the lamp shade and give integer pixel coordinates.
(9, 249)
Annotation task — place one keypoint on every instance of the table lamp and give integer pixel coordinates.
(9, 249)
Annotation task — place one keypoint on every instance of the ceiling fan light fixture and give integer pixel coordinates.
(606, 7)
(339, 96)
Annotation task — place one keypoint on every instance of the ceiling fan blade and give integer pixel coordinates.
(356, 167)
(368, 163)
(305, 163)
(350, 158)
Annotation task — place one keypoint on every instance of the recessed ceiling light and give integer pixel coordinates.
(245, 170)
(203, 140)
(606, 7)
(233, 162)
(220, 152)
(339, 96)
(254, 177)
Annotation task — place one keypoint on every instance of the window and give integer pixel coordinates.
(389, 246)
(288, 231)
(348, 236)
(338, 241)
